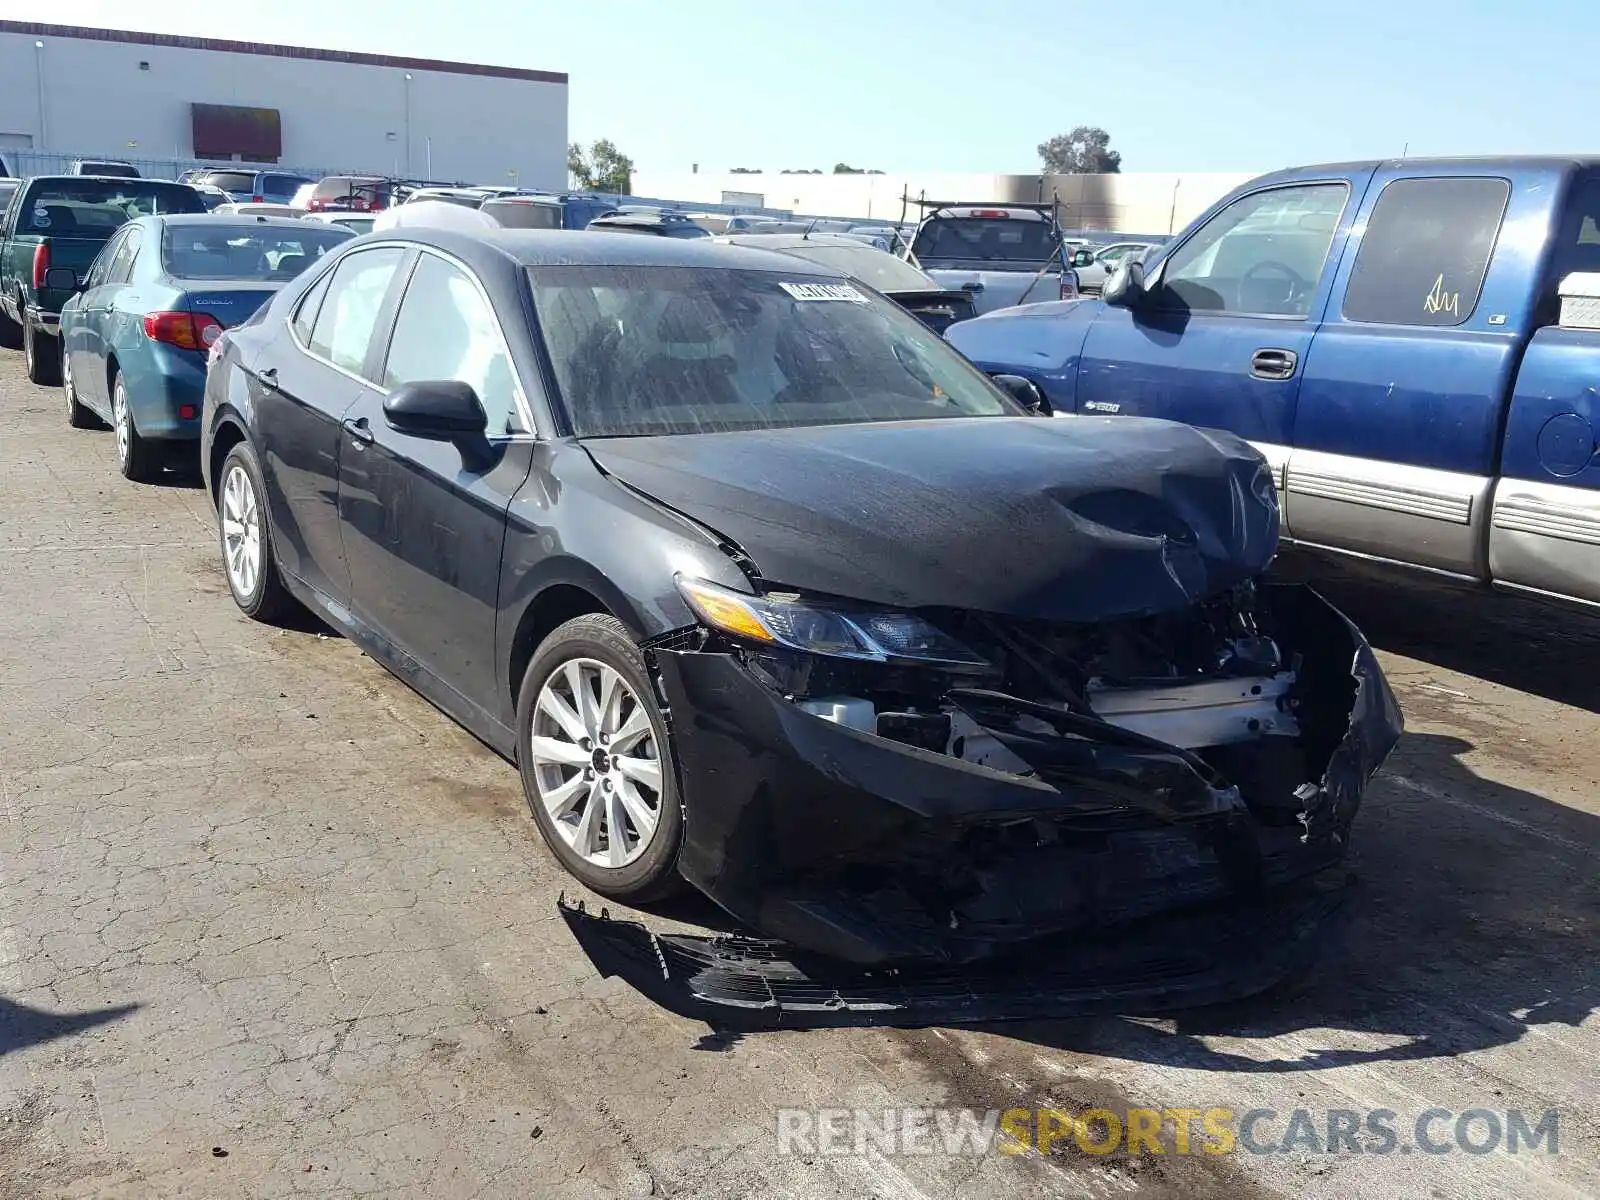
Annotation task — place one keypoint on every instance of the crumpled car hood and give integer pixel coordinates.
(1081, 520)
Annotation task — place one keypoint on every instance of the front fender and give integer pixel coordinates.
(571, 524)
(1041, 342)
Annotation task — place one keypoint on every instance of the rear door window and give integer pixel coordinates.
(1426, 250)
(349, 312)
(120, 268)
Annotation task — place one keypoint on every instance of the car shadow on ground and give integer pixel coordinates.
(1473, 916)
(21, 1026)
(1476, 916)
(1534, 645)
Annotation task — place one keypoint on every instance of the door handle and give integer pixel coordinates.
(1273, 364)
(359, 430)
(973, 287)
(268, 376)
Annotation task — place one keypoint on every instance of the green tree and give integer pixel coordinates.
(603, 169)
(1084, 151)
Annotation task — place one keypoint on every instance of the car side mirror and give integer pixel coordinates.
(1125, 288)
(1082, 258)
(1026, 393)
(61, 279)
(439, 409)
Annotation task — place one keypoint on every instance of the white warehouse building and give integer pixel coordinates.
(168, 101)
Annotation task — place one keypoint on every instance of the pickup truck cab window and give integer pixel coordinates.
(1425, 251)
(1263, 255)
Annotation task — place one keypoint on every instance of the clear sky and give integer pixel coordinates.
(976, 85)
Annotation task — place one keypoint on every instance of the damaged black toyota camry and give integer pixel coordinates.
(764, 586)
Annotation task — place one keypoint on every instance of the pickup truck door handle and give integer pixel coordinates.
(1273, 364)
(974, 287)
(359, 430)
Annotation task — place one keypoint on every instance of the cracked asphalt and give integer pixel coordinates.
(271, 926)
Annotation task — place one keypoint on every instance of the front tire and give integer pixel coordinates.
(596, 762)
(42, 354)
(246, 537)
(138, 458)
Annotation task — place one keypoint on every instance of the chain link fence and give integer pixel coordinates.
(48, 162)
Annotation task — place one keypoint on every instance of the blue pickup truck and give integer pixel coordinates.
(1413, 345)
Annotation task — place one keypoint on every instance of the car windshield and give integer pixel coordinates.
(985, 239)
(664, 350)
(876, 267)
(96, 207)
(245, 251)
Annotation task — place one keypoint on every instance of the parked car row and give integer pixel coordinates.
(944, 678)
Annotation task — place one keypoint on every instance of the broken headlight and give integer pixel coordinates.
(786, 620)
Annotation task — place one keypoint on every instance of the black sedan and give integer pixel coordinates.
(762, 584)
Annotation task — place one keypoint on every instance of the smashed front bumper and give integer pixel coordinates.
(857, 848)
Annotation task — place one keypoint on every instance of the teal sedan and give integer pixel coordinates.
(136, 338)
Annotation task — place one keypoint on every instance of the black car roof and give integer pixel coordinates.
(565, 247)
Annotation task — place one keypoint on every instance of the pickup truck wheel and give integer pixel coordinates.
(43, 356)
(137, 457)
(10, 333)
(78, 416)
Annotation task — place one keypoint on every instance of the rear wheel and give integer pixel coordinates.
(138, 457)
(596, 763)
(247, 556)
(42, 354)
(78, 416)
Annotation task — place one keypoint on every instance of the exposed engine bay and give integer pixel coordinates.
(1208, 680)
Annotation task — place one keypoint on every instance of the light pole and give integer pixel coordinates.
(408, 122)
(38, 70)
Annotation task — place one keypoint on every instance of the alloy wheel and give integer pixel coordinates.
(121, 421)
(596, 764)
(241, 531)
(66, 382)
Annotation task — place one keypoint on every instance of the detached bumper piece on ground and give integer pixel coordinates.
(737, 983)
(1000, 837)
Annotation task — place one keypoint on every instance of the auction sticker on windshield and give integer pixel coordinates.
(825, 291)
